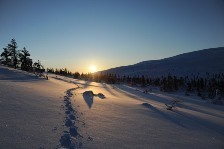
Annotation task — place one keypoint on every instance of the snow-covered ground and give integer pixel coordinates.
(31, 115)
(62, 112)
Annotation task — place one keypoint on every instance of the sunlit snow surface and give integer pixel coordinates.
(33, 115)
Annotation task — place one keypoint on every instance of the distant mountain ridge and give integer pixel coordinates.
(196, 62)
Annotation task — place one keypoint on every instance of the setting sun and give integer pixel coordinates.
(92, 68)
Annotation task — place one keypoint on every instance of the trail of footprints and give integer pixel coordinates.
(70, 139)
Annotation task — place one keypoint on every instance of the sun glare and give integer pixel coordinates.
(92, 68)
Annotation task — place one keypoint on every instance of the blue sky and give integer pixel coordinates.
(109, 33)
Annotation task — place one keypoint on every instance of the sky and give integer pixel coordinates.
(76, 34)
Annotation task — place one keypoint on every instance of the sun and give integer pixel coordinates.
(92, 68)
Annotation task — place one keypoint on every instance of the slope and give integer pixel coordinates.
(31, 115)
(202, 61)
(127, 118)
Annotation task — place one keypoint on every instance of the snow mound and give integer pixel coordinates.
(89, 97)
(91, 94)
(145, 104)
(100, 95)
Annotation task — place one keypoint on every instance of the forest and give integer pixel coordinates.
(12, 57)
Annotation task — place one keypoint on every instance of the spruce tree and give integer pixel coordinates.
(5, 55)
(12, 48)
(26, 62)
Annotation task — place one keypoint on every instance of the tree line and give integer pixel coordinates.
(15, 58)
(209, 85)
(66, 72)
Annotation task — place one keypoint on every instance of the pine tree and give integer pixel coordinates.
(76, 75)
(14, 56)
(5, 55)
(26, 62)
(143, 81)
(38, 68)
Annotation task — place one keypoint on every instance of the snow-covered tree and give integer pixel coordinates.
(38, 68)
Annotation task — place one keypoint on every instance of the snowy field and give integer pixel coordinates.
(63, 112)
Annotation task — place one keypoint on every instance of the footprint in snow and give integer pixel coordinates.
(67, 112)
(66, 140)
(67, 103)
(73, 131)
(71, 116)
(70, 108)
(89, 139)
(72, 138)
(68, 122)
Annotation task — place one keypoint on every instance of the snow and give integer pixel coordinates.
(131, 119)
(30, 110)
(63, 112)
(186, 64)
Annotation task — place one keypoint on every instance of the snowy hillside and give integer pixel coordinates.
(208, 60)
(31, 115)
(67, 113)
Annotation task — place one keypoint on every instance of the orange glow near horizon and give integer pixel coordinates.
(92, 68)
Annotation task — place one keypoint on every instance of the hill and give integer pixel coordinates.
(196, 62)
